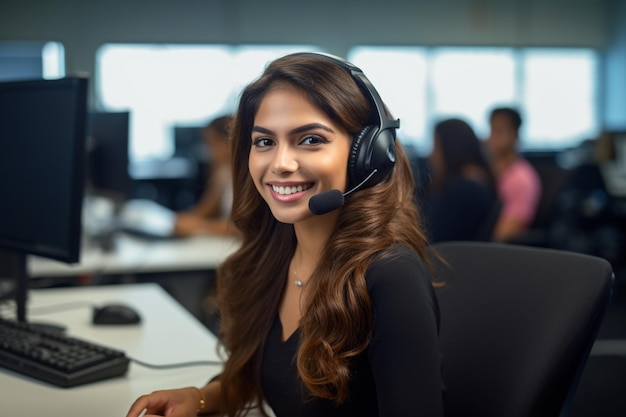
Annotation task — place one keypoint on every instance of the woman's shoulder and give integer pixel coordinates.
(395, 263)
(400, 277)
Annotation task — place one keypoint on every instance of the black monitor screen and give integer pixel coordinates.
(107, 165)
(42, 153)
(188, 142)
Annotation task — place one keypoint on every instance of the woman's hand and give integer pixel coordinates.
(181, 402)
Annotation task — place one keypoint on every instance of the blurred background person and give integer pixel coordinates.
(462, 199)
(587, 216)
(210, 215)
(518, 184)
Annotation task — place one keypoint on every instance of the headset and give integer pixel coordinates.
(373, 153)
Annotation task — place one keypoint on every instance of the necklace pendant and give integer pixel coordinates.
(298, 283)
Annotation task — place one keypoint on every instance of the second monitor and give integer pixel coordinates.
(108, 161)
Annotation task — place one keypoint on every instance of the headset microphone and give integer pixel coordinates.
(328, 201)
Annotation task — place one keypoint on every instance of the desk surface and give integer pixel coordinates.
(167, 334)
(132, 255)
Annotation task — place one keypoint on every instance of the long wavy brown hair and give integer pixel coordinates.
(337, 322)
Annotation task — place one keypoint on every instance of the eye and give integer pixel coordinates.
(262, 142)
(313, 140)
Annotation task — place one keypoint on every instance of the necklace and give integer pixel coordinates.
(296, 281)
(299, 283)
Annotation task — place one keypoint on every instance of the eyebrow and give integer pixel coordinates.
(301, 129)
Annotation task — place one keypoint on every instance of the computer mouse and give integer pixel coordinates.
(115, 314)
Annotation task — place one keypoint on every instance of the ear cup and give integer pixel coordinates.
(355, 160)
(383, 154)
(371, 150)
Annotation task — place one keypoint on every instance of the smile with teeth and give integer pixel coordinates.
(290, 190)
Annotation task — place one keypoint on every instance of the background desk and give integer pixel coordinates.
(132, 255)
(167, 334)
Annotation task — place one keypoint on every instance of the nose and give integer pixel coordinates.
(285, 160)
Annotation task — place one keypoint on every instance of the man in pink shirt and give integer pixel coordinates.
(519, 186)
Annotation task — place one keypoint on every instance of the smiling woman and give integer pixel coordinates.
(297, 151)
(331, 314)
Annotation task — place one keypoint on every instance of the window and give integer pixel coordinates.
(53, 60)
(559, 95)
(556, 89)
(404, 92)
(163, 85)
(468, 82)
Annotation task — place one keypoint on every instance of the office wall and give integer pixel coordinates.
(336, 25)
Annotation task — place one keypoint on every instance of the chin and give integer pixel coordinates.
(293, 215)
(290, 219)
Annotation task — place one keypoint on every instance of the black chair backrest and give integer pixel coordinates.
(517, 325)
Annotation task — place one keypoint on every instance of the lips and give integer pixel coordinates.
(289, 193)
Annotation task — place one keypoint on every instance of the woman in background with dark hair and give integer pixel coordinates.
(322, 315)
(462, 201)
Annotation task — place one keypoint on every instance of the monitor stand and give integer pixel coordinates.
(13, 265)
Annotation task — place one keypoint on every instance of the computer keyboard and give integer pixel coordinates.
(56, 358)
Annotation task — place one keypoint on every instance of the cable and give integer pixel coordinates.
(175, 365)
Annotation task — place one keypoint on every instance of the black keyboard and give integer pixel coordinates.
(56, 358)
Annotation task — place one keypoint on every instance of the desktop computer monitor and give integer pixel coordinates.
(107, 150)
(190, 145)
(42, 155)
(188, 142)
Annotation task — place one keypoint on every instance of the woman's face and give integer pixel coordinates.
(297, 152)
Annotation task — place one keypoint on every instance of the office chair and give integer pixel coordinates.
(517, 326)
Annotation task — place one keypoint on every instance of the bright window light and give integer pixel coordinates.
(555, 89)
(399, 75)
(560, 96)
(468, 82)
(53, 58)
(164, 85)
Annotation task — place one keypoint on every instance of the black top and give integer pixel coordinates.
(463, 210)
(399, 374)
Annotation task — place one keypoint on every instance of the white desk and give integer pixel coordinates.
(168, 334)
(136, 255)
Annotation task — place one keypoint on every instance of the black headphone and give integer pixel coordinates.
(373, 152)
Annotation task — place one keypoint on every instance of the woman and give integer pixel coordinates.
(322, 315)
(462, 203)
(210, 215)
